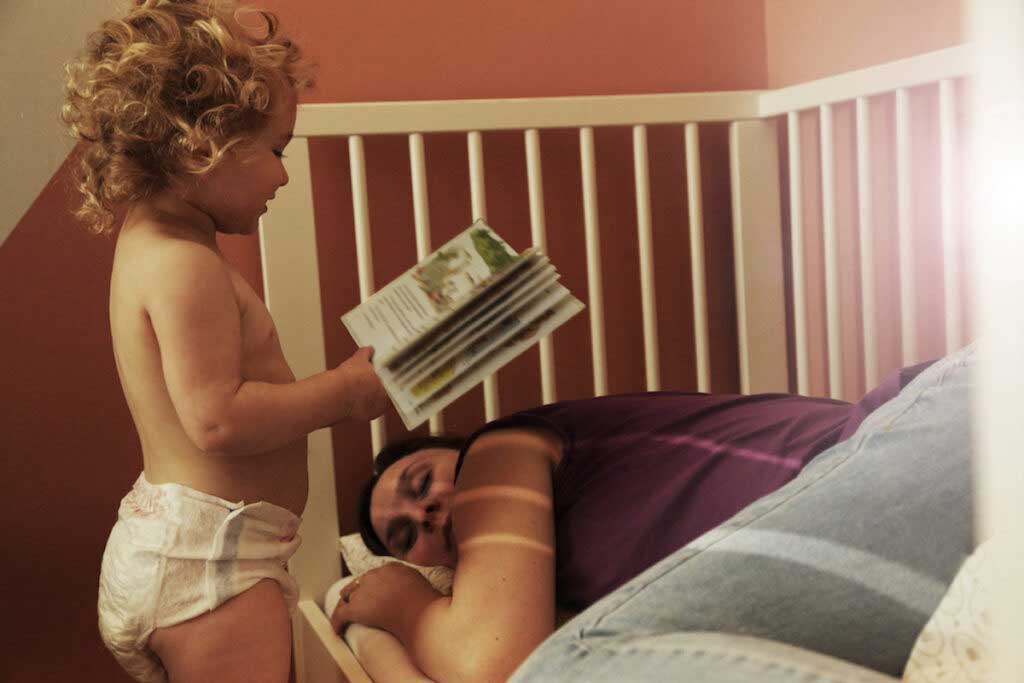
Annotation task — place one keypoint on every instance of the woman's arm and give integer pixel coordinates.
(503, 595)
(383, 656)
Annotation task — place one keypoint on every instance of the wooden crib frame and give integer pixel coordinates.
(292, 284)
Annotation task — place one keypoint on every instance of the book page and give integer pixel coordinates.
(521, 301)
(509, 326)
(549, 320)
(495, 307)
(429, 292)
(503, 282)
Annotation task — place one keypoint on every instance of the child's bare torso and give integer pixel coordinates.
(278, 476)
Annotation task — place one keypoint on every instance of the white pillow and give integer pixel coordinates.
(360, 560)
(954, 645)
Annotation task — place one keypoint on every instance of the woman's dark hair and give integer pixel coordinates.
(387, 457)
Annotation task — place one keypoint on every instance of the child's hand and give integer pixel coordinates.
(365, 393)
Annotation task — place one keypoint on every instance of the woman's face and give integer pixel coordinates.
(411, 507)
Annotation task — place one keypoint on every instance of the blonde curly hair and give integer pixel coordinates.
(165, 91)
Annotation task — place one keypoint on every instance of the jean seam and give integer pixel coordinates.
(853, 447)
(588, 649)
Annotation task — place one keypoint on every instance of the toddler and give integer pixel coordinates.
(185, 108)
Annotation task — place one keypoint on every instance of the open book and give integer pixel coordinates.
(456, 317)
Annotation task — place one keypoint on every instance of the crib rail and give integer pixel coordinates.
(438, 116)
(770, 220)
(532, 115)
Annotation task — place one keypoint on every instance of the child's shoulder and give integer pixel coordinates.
(161, 247)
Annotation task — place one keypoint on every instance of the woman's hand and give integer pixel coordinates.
(383, 598)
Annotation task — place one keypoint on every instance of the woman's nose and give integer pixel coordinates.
(429, 515)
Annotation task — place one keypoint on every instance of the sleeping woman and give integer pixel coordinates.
(556, 507)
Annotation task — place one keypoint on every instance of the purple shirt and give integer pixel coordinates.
(644, 474)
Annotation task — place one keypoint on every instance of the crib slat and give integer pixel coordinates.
(478, 200)
(865, 208)
(477, 194)
(905, 217)
(421, 214)
(361, 214)
(320, 655)
(420, 201)
(643, 219)
(364, 248)
(796, 231)
(831, 248)
(593, 244)
(948, 193)
(697, 270)
(535, 183)
(757, 248)
(291, 283)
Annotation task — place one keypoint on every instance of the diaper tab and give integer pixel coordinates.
(253, 542)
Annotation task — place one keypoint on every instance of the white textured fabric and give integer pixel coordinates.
(176, 553)
(954, 645)
(360, 560)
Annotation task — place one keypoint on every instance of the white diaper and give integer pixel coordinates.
(176, 553)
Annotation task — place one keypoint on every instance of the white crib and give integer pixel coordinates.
(766, 178)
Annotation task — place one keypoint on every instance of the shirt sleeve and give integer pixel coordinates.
(534, 419)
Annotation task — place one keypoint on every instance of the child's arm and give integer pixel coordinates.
(195, 315)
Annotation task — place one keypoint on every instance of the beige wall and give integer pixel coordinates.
(33, 144)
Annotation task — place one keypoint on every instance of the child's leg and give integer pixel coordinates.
(246, 639)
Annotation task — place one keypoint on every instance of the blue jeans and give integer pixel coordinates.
(848, 560)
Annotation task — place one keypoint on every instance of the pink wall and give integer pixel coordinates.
(69, 450)
(809, 39)
(520, 48)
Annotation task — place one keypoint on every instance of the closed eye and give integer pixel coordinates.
(407, 540)
(279, 154)
(401, 536)
(424, 487)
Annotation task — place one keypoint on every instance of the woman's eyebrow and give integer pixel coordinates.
(405, 480)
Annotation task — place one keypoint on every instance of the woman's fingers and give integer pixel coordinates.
(339, 617)
(346, 593)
